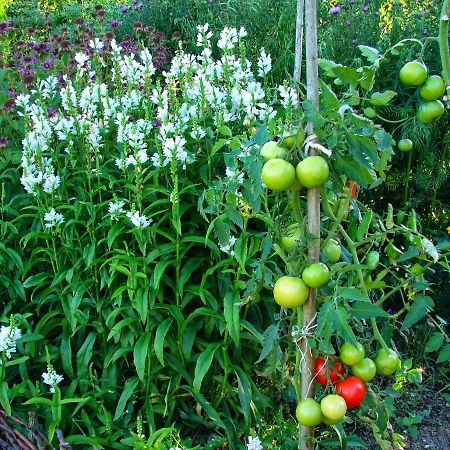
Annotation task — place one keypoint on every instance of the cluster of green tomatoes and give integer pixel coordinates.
(349, 392)
(431, 89)
(280, 175)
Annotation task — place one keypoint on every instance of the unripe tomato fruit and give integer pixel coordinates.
(372, 259)
(430, 111)
(365, 370)
(325, 374)
(291, 237)
(405, 145)
(290, 292)
(295, 186)
(312, 172)
(352, 390)
(350, 354)
(316, 275)
(309, 413)
(278, 174)
(328, 421)
(387, 362)
(433, 88)
(413, 73)
(293, 138)
(333, 251)
(271, 150)
(333, 407)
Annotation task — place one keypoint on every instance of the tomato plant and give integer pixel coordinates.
(316, 275)
(350, 354)
(352, 390)
(309, 412)
(333, 407)
(325, 374)
(290, 292)
(365, 369)
(313, 171)
(413, 73)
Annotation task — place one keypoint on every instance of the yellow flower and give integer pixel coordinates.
(448, 230)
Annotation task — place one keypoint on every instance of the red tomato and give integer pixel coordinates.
(324, 373)
(353, 390)
(353, 187)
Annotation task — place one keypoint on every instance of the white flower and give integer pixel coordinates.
(227, 247)
(254, 443)
(289, 96)
(264, 63)
(8, 337)
(228, 38)
(204, 36)
(138, 220)
(51, 183)
(96, 44)
(115, 208)
(81, 59)
(52, 218)
(51, 378)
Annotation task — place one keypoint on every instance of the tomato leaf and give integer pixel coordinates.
(351, 293)
(382, 98)
(364, 310)
(418, 311)
(363, 227)
(341, 319)
(370, 53)
(444, 355)
(353, 170)
(435, 342)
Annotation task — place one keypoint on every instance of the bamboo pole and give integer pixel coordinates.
(299, 40)
(313, 197)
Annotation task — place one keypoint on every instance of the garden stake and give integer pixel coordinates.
(313, 197)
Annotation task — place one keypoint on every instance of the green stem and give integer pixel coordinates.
(408, 171)
(351, 245)
(444, 49)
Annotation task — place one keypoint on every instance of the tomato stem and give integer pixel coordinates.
(407, 175)
(444, 49)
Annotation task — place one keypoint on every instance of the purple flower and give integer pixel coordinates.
(115, 23)
(48, 63)
(124, 8)
(52, 112)
(336, 9)
(156, 123)
(3, 142)
(365, 8)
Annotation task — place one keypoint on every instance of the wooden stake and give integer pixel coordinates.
(299, 40)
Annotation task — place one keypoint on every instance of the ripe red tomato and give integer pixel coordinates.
(325, 373)
(353, 390)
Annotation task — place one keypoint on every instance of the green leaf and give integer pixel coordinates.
(161, 332)
(370, 53)
(351, 293)
(363, 227)
(341, 321)
(39, 401)
(35, 280)
(4, 400)
(244, 393)
(231, 313)
(128, 390)
(203, 364)
(353, 170)
(363, 310)
(435, 342)
(444, 355)
(16, 361)
(225, 131)
(312, 115)
(411, 253)
(382, 98)
(140, 354)
(418, 311)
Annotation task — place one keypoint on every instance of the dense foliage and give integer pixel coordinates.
(140, 246)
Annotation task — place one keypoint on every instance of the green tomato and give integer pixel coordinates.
(316, 275)
(333, 407)
(433, 88)
(350, 354)
(290, 292)
(293, 138)
(328, 421)
(430, 111)
(278, 174)
(365, 370)
(333, 251)
(271, 150)
(387, 362)
(372, 259)
(309, 413)
(405, 145)
(413, 73)
(291, 238)
(312, 172)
